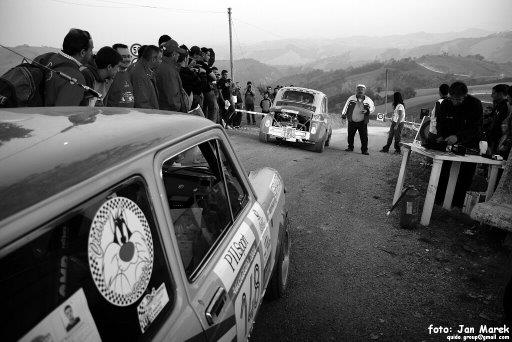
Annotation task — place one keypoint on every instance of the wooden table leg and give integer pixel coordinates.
(431, 191)
(401, 175)
(450, 189)
(493, 175)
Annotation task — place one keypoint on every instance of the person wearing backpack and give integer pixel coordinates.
(76, 51)
(98, 74)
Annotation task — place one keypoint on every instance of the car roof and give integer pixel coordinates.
(44, 151)
(304, 90)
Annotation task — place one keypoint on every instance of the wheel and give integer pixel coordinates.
(279, 281)
(264, 137)
(328, 142)
(320, 145)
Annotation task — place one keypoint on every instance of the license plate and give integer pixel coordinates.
(289, 133)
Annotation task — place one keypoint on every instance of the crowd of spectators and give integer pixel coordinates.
(167, 76)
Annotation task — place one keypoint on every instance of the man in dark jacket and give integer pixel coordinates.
(99, 73)
(120, 93)
(76, 51)
(143, 80)
(168, 81)
(498, 115)
(249, 104)
(459, 122)
(210, 107)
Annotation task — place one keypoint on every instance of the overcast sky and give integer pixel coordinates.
(204, 22)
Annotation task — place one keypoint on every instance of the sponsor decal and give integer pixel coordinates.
(151, 305)
(120, 250)
(236, 254)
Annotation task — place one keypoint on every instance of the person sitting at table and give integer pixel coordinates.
(459, 121)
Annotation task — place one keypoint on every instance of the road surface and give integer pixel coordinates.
(355, 276)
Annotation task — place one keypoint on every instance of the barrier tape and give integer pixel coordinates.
(249, 112)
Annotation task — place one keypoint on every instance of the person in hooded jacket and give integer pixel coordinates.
(99, 73)
(76, 51)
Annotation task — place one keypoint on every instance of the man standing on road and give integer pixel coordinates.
(357, 110)
(249, 104)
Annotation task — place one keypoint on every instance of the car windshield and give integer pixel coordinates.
(298, 96)
(297, 99)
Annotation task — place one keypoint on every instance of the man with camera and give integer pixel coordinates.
(357, 111)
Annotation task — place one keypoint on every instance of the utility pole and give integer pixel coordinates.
(230, 47)
(386, 96)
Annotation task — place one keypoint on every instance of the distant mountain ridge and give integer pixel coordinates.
(302, 52)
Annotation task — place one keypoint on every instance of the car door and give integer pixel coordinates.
(208, 203)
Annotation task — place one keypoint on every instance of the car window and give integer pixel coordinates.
(205, 196)
(97, 271)
(238, 194)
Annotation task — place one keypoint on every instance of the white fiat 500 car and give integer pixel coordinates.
(298, 115)
(120, 225)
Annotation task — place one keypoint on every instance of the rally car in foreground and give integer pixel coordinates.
(121, 225)
(298, 115)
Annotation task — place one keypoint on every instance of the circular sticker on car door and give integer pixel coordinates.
(120, 250)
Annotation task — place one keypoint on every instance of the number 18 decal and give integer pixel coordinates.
(248, 299)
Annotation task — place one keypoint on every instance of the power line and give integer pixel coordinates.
(86, 5)
(238, 41)
(179, 10)
(260, 28)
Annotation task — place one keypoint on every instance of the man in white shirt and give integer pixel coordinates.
(357, 110)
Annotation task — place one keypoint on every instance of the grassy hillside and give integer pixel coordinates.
(9, 59)
(495, 47)
(258, 73)
(470, 66)
(423, 73)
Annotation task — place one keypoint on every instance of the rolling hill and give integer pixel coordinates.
(9, 59)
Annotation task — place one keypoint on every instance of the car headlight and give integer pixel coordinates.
(313, 129)
(268, 121)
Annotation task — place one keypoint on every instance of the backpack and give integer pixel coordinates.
(23, 85)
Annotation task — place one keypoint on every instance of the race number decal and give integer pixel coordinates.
(248, 299)
(120, 250)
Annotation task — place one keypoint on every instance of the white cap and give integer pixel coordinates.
(361, 85)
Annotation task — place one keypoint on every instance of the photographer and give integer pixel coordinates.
(189, 75)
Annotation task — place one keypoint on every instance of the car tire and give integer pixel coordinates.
(264, 137)
(279, 281)
(328, 142)
(320, 145)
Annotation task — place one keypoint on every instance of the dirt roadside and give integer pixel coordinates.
(355, 275)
